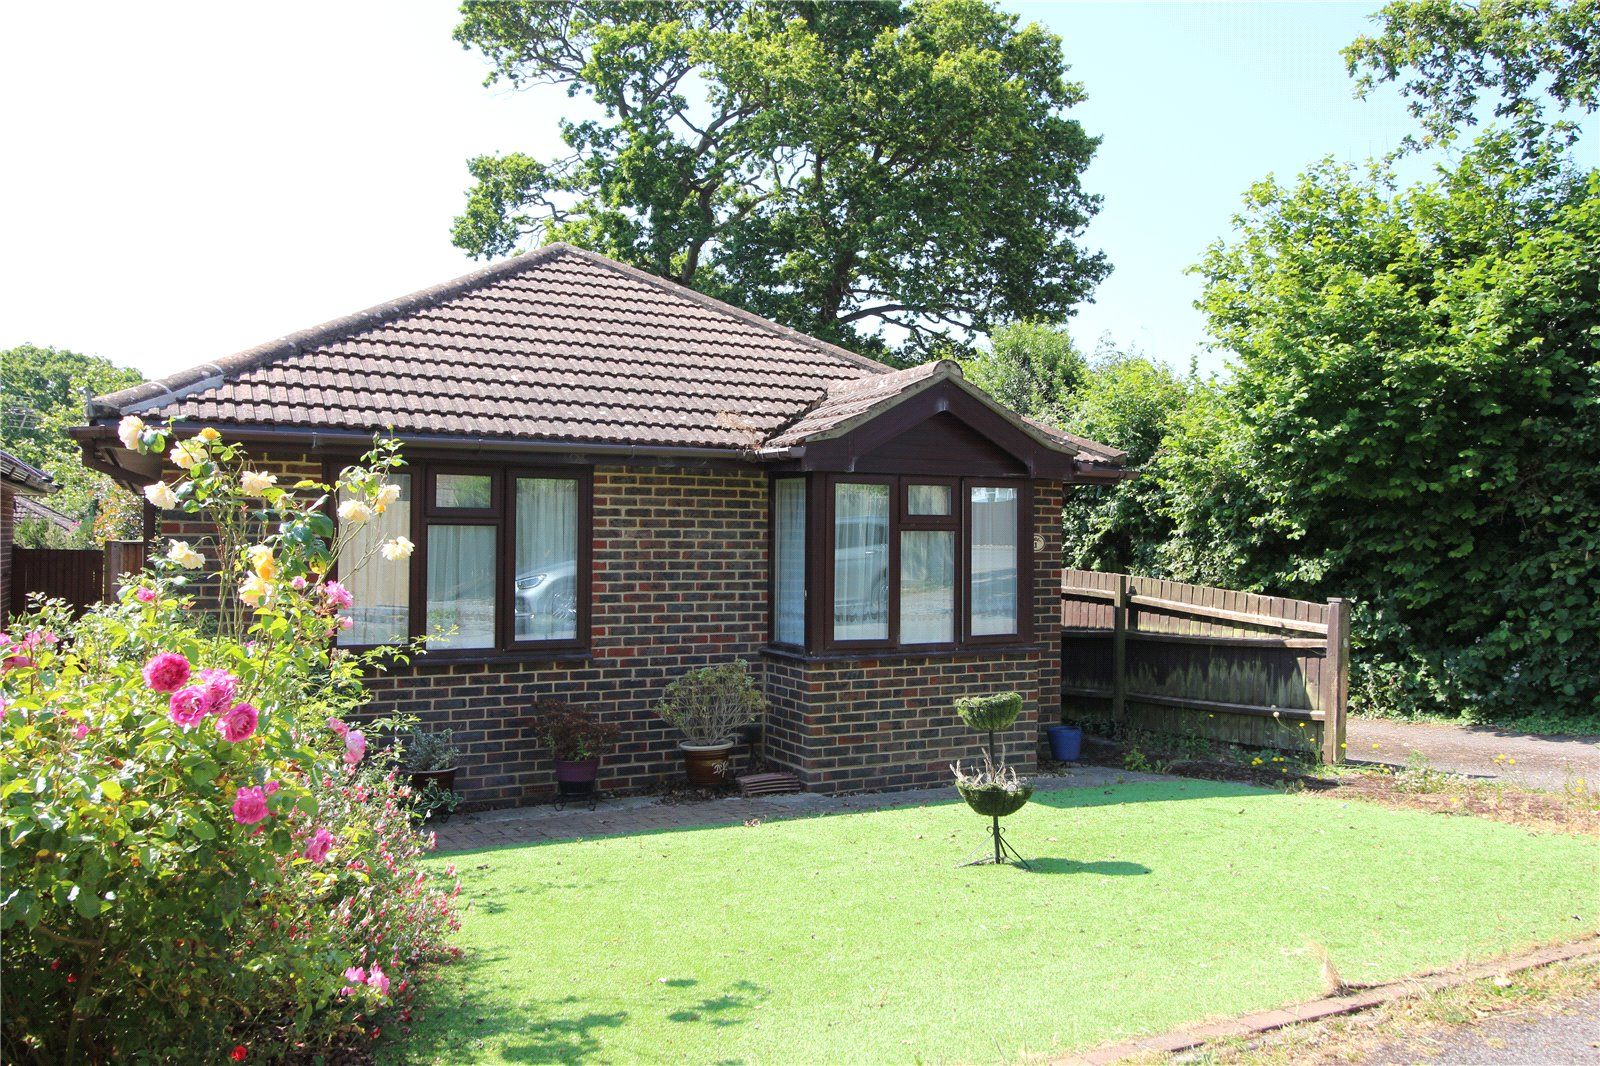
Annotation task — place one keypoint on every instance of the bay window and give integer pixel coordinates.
(901, 561)
(500, 564)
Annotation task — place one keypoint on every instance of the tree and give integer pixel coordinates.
(1524, 55)
(1030, 367)
(45, 390)
(863, 172)
(1416, 417)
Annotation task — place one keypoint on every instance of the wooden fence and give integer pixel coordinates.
(1236, 667)
(81, 576)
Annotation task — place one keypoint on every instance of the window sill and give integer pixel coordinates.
(528, 656)
(773, 651)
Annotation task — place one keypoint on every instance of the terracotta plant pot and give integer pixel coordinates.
(445, 779)
(709, 765)
(576, 777)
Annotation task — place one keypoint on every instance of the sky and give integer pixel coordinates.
(183, 181)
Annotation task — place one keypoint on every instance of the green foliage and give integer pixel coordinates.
(708, 704)
(1452, 56)
(572, 735)
(45, 391)
(997, 711)
(429, 749)
(150, 914)
(778, 154)
(1030, 367)
(1415, 422)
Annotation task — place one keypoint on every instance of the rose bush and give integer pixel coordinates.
(198, 853)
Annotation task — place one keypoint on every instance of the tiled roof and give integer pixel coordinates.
(558, 344)
(25, 507)
(24, 477)
(851, 402)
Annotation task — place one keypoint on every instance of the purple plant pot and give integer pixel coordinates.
(576, 777)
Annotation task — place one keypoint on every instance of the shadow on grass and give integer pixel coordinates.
(731, 1008)
(461, 1021)
(1073, 866)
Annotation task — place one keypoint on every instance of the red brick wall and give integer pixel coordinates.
(680, 580)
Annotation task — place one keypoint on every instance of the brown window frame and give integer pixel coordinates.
(820, 560)
(501, 517)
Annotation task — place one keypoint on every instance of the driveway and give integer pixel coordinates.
(1557, 1034)
(1479, 751)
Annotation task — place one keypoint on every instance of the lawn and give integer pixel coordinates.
(856, 937)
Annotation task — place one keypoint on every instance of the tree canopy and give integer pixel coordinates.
(894, 177)
(45, 390)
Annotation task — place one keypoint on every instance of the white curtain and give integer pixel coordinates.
(461, 580)
(546, 578)
(927, 586)
(381, 589)
(860, 562)
(789, 561)
(994, 561)
(928, 499)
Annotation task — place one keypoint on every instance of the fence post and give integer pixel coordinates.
(1336, 682)
(1119, 649)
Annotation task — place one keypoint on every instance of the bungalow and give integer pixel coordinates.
(613, 479)
(19, 482)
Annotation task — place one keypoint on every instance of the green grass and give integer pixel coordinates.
(856, 938)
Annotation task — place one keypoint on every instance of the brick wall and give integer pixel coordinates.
(7, 505)
(680, 580)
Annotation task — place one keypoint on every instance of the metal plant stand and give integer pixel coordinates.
(996, 806)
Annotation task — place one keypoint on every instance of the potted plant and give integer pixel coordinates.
(707, 705)
(434, 803)
(577, 741)
(430, 758)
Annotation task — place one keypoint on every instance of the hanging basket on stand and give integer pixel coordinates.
(995, 801)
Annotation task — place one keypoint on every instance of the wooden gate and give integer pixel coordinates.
(74, 575)
(1237, 667)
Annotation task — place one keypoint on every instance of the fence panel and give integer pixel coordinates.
(74, 575)
(1236, 667)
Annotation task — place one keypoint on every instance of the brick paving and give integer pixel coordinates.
(641, 814)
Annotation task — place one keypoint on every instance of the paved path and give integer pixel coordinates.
(1542, 762)
(1555, 1033)
(637, 814)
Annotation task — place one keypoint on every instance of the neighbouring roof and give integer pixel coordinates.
(24, 507)
(557, 345)
(24, 478)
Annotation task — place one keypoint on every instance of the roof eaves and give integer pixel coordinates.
(25, 477)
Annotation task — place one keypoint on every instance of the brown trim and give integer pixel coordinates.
(1024, 579)
(930, 521)
(495, 474)
(913, 651)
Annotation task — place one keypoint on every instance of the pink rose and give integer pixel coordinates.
(346, 622)
(337, 595)
(15, 662)
(355, 746)
(321, 843)
(379, 980)
(298, 584)
(167, 672)
(356, 975)
(81, 730)
(145, 595)
(216, 690)
(270, 787)
(338, 726)
(238, 724)
(249, 806)
(184, 707)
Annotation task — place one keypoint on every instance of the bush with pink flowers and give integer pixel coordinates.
(198, 853)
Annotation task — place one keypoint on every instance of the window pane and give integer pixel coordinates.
(994, 561)
(928, 499)
(464, 491)
(927, 587)
(861, 562)
(381, 589)
(547, 559)
(461, 585)
(789, 561)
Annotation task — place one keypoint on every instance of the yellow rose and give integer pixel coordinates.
(128, 431)
(209, 435)
(261, 560)
(255, 590)
(396, 549)
(386, 495)
(255, 483)
(185, 556)
(354, 511)
(182, 457)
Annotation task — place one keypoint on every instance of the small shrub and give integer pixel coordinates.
(573, 735)
(708, 704)
(427, 750)
(996, 712)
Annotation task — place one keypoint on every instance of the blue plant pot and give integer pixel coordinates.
(1065, 742)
